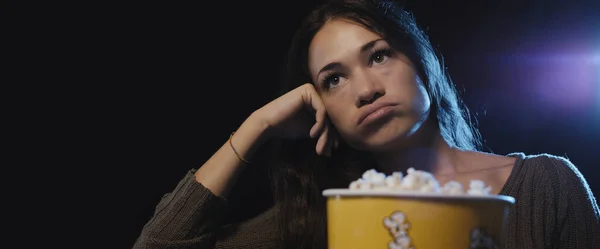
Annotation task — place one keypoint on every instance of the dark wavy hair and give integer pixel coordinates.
(301, 176)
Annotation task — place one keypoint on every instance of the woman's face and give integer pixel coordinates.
(372, 93)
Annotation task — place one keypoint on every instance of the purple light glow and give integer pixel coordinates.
(562, 78)
(566, 81)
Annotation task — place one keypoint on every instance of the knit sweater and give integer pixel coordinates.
(554, 209)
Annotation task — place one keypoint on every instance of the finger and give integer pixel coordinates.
(314, 130)
(319, 127)
(322, 142)
(313, 101)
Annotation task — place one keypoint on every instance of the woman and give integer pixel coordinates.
(365, 90)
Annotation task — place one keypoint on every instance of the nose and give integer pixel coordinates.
(369, 89)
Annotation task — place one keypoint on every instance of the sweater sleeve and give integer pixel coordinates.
(191, 216)
(578, 215)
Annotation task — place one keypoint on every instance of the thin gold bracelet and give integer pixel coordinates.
(235, 151)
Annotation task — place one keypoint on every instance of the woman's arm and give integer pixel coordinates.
(221, 170)
(578, 213)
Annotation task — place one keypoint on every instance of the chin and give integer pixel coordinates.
(386, 138)
(393, 135)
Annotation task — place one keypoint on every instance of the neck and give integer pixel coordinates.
(437, 159)
(431, 153)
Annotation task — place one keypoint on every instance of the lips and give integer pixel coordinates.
(372, 109)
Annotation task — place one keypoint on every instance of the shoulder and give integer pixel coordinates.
(552, 166)
(556, 174)
(563, 189)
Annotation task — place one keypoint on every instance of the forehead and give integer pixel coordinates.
(337, 40)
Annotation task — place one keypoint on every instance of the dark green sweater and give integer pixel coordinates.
(554, 209)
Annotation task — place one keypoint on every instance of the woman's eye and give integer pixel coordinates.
(333, 80)
(378, 58)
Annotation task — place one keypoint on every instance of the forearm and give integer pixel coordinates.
(221, 170)
(185, 217)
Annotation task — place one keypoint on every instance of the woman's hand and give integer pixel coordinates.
(298, 113)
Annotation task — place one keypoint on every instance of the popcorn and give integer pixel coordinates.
(415, 181)
(452, 188)
(477, 187)
(371, 179)
(393, 181)
(356, 184)
(421, 181)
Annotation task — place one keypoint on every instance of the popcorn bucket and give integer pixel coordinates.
(370, 219)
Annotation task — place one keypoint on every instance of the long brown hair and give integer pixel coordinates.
(300, 176)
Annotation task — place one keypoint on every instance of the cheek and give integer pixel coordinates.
(408, 86)
(337, 111)
(422, 102)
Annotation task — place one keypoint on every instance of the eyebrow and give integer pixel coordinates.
(331, 66)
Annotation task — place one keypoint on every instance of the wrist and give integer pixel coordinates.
(251, 134)
(257, 126)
